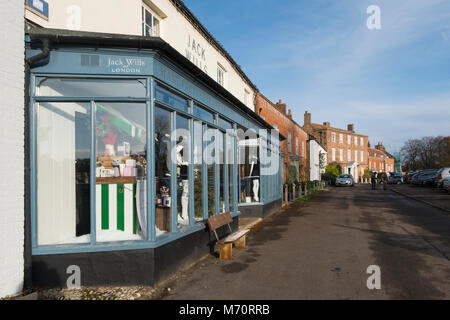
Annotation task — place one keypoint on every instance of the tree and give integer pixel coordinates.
(426, 153)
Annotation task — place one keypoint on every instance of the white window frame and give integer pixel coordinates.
(362, 156)
(341, 154)
(333, 154)
(341, 138)
(333, 137)
(356, 141)
(221, 75)
(155, 28)
(303, 148)
(349, 139)
(296, 145)
(349, 155)
(362, 141)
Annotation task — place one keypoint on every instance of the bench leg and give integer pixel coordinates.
(241, 243)
(226, 251)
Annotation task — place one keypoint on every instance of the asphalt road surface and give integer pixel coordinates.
(321, 250)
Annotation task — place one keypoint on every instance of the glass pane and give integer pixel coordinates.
(120, 140)
(183, 160)
(249, 170)
(198, 170)
(203, 114)
(71, 87)
(148, 18)
(63, 173)
(210, 145)
(162, 171)
(220, 149)
(230, 156)
(171, 99)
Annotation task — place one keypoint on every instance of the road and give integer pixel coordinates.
(321, 250)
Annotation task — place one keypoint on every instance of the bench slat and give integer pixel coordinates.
(219, 220)
(234, 236)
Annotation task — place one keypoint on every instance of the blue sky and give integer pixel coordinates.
(319, 55)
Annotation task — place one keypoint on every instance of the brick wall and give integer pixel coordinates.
(278, 116)
(324, 134)
(379, 161)
(12, 146)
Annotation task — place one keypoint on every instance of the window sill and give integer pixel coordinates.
(115, 246)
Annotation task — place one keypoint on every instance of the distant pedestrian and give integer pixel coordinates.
(385, 180)
(373, 180)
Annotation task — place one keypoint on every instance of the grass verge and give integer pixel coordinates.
(309, 196)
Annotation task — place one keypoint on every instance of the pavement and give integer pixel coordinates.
(438, 198)
(321, 249)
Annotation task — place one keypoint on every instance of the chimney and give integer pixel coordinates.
(326, 124)
(350, 127)
(290, 114)
(307, 119)
(281, 106)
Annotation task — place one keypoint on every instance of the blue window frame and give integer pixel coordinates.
(135, 91)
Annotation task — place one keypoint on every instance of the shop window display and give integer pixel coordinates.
(210, 150)
(249, 168)
(183, 158)
(163, 198)
(221, 167)
(198, 170)
(121, 166)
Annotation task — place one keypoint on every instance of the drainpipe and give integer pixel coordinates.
(28, 283)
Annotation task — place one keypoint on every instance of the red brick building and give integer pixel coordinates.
(344, 146)
(294, 152)
(380, 160)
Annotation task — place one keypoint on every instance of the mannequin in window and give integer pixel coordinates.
(182, 173)
(254, 173)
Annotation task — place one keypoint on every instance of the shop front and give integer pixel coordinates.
(131, 149)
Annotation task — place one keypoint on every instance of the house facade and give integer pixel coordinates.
(294, 147)
(170, 20)
(12, 164)
(317, 159)
(345, 147)
(380, 160)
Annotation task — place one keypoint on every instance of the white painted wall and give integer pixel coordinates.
(314, 149)
(12, 147)
(125, 17)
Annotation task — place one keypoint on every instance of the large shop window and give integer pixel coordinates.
(92, 176)
(249, 168)
(210, 149)
(183, 148)
(63, 173)
(162, 171)
(121, 166)
(198, 170)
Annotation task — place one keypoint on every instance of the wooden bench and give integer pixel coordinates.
(226, 244)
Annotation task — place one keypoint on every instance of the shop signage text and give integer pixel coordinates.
(125, 65)
(196, 53)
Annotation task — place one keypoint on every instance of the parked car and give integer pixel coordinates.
(345, 180)
(440, 176)
(425, 177)
(395, 179)
(409, 176)
(413, 178)
(446, 184)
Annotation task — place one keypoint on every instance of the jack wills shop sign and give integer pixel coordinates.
(195, 52)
